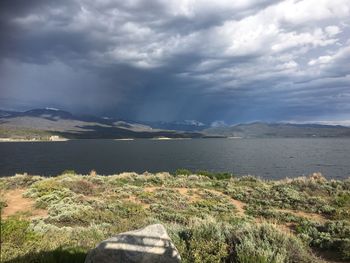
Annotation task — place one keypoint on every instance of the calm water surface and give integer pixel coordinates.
(267, 158)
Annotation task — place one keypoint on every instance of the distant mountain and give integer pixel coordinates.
(42, 123)
(48, 113)
(186, 125)
(4, 113)
(281, 130)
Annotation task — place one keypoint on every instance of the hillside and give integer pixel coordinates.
(280, 130)
(210, 217)
(42, 123)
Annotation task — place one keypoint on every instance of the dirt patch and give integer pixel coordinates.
(311, 216)
(152, 189)
(190, 193)
(290, 227)
(238, 204)
(17, 203)
(194, 196)
(133, 199)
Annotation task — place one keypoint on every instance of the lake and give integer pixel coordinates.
(267, 158)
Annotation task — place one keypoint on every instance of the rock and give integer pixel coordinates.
(147, 245)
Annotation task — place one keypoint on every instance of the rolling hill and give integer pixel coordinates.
(43, 123)
(280, 130)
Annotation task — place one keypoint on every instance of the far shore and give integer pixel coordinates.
(168, 138)
(32, 140)
(65, 139)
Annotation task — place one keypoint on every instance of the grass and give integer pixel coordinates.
(291, 220)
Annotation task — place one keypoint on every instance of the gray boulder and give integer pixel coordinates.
(147, 245)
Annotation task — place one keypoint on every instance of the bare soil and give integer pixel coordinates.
(16, 203)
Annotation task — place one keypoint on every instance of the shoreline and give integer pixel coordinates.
(168, 139)
(184, 173)
(32, 140)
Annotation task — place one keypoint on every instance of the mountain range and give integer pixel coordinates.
(43, 123)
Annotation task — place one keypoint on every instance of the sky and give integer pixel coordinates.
(219, 61)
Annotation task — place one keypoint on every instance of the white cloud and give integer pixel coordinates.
(306, 12)
(332, 30)
(320, 60)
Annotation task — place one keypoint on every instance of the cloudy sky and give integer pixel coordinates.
(222, 60)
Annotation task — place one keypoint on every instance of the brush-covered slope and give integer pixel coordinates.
(210, 217)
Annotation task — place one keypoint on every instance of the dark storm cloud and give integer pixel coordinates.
(208, 60)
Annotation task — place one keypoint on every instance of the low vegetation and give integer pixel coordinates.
(210, 217)
(17, 133)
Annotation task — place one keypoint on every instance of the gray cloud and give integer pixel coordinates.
(170, 60)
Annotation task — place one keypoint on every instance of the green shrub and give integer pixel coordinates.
(343, 199)
(125, 209)
(68, 212)
(333, 236)
(68, 172)
(204, 241)
(3, 204)
(58, 255)
(53, 197)
(81, 187)
(16, 232)
(212, 175)
(21, 180)
(16, 237)
(266, 244)
(183, 172)
(44, 187)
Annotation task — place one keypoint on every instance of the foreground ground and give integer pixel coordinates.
(210, 217)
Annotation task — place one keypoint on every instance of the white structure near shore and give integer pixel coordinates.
(56, 138)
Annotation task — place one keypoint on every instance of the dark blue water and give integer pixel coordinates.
(267, 158)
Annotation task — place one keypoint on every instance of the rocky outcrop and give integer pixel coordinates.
(147, 245)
